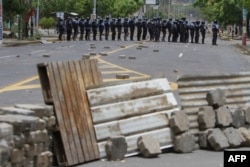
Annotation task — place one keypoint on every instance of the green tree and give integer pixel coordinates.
(47, 23)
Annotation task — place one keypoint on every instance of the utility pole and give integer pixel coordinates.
(244, 26)
(1, 22)
(94, 10)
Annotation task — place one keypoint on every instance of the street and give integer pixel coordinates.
(19, 81)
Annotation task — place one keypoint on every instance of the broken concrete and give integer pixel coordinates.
(206, 118)
(247, 115)
(116, 148)
(184, 143)
(148, 146)
(203, 142)
(179, 122)
(217, 139)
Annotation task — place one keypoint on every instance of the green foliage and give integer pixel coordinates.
(47, 23)
(225, 11)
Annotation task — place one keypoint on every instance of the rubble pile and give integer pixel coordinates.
(25, 135)
(222, 127)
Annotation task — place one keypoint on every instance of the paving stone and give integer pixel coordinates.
(223, 117)
(247, 115)
(19, 141)
(122, 76)
(203, 142)
(156, 50)
(217, 139)
(245, 133)
(131, 57)
(17, 155)
(233, 137)
(179, 122)
(148, 146)
(216, 98)
(184, 143)
(206, 118)
(238, 117)
(116, 148)
(6, 131)
(4, 153)
(122, 56)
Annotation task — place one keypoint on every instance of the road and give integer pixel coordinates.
(19, 82)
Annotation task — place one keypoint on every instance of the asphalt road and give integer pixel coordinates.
(19, 82)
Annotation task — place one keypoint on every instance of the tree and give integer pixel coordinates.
(47, 23)
(225, 11)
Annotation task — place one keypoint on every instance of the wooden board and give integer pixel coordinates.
(67, 87)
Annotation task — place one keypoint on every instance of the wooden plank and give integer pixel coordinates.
(94, 71)
(85, 115)
(130, 108)
(164, 136)
(87, 73)
(63, 125)
(127, 91)
(132, 125)
(44, 80)
(72, 108)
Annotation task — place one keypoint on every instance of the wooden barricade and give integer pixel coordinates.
(64, 85)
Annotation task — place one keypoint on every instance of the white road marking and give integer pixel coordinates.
(8, 56)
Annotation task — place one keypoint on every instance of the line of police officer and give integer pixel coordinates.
(177, 29)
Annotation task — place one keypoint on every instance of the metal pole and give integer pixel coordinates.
(37, 14)
(1, 22)
(244, 26)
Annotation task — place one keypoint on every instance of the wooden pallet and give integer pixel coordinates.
(64, 85)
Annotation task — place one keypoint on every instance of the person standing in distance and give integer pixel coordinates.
(215, 30)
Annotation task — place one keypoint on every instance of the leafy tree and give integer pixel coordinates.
(47, 23)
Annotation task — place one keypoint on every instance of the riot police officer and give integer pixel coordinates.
(164, 30)
(81, 26)
(144, 29)
(125, 28)
(215, 30)
(113, 30)
(94, 29)
(87, 29)
(69, 28)
(75, 27)
(197, 32)
(119, 28)
(203, 29)
(60, 28)
(132, 28)
(169, 27)
(107, 27)
(101, 28)
(139, 29)
(192, 30)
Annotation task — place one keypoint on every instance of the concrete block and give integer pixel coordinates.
(148, 146)
(206, 118)
(16, 111)
(40, 110)
(233, 137)
(34, 137)
(51, 122)
(184, 143)
(179, 122)
(216, 98)
(17, 155)
(29, 150)
(6, 131)
(43, 160)
(223, 117)
(217, 139)
(245, 134)
(20, 123)
(238, 118)
(116, 148)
